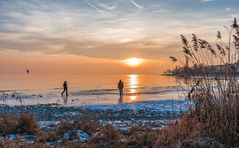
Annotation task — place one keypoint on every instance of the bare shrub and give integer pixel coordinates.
(141, 138)
(22, 124)
(26, 123)
(107, 134)
(7, 124)
(87, 124)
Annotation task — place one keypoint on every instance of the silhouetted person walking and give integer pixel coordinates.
(121, 87)
(65, 88)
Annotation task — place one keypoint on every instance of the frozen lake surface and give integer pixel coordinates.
(86, 89)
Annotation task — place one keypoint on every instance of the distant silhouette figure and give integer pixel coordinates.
(28, 71)
(65, 88)
(121, 87)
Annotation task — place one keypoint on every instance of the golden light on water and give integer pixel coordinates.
(133, 98)
(133, 81)
(133, 86)
(134, 62)
(133, 91)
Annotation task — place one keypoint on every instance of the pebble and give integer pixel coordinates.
(54, 112)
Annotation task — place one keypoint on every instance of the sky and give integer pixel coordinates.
(95, 36)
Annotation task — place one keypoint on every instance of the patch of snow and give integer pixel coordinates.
(83, 136)
(11, 136)
(43, 124)
(56, 142)
(2, 137)
(67, 135)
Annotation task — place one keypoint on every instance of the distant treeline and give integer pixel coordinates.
(202, 70)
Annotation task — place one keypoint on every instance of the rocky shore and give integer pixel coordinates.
(123, 116)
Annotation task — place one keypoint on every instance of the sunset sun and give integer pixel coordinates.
(134, 62)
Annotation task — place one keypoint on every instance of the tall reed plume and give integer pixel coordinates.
(211, 71)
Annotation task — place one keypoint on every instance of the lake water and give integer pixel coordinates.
(85, 89)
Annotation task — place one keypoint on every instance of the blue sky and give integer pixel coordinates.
(108, 29)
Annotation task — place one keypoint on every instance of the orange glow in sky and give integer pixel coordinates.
(104, 36)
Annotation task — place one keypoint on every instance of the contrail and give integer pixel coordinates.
(136, 5)
(206, 0)
(93, 6)
(109, 7)
(113, 21)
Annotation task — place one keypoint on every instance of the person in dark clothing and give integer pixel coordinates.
(65, 88)
(120, 87)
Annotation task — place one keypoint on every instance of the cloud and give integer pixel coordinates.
(121, 31)
(114, 21)
(109, 6)
(86, 47)
(228, 9)
(206, 0)
(136, 4)
(93, 6)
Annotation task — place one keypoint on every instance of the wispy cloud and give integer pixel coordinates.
(93, 6)
(206, 0)
(113, 21)
(228, 9)
(109, 6)
(136, 4)
(118, 31)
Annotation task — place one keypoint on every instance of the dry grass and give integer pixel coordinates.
(27, 124)
(88, 124)
(7, 124)
(21, 144)
(107, 134)
(101, 136)
(141, 138)
(179, 132)
(216, 97)
(23, 124)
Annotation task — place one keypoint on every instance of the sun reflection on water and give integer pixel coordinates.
(133, 88)
(133, 98)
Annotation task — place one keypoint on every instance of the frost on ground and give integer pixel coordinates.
(153, 114)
